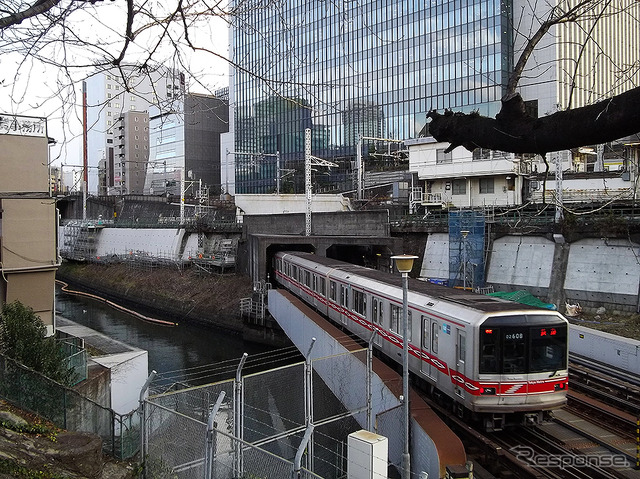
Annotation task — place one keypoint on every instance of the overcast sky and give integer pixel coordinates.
(29, 87)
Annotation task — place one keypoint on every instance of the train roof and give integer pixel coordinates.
(480, 302)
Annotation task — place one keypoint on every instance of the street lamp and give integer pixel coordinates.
(404, 263)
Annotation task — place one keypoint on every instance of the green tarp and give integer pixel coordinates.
(523, 297)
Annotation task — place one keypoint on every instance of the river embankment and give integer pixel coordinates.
(171, 294)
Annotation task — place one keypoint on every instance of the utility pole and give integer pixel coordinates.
(309, 161)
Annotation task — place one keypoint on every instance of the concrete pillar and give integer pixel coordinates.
(558, 272)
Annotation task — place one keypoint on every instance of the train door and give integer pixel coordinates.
(424, 344)
(377, 318)
(344, 302)
(461, 352)
(429, 344)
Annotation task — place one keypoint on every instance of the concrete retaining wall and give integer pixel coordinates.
(603, 270)
(153, 241)
(593, 272)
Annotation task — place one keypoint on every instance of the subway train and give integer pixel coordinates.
(496, 361)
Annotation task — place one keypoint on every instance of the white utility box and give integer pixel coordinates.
(367, 455)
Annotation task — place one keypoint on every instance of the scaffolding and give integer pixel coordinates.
(466, 249)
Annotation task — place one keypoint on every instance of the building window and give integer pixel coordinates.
(459, 187)
(442, 157)
(108, 122)
(486, 185)
(108, 95)
(108, 113)
(481, 154)
(108, 86)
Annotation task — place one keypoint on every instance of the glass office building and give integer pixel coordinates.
(347, 69)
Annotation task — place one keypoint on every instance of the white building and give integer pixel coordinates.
(108, 100)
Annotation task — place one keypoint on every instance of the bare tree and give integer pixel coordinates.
(514, 130)
(54, 45)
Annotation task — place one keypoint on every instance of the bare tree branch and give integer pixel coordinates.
(38, 8)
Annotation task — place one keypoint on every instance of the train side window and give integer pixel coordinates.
(409, 325)
(323, 286)
(333, 291)
(294, 272)
(424, 320)
(435, 330)
(396, 318)
(377, 313)
(315, 283)
(307, 279)
(359, 302)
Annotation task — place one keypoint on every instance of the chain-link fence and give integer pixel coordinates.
(266, 424)
(67, 409)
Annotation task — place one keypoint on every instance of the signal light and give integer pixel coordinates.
(488, 331)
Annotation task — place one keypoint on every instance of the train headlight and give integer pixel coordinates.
(487, 391)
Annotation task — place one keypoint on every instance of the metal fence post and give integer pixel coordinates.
(308, 403)
(303, 445)
(210, 444)
(369, 379)
(143, 423)
(238, 411)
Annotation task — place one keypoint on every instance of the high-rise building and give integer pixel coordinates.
(187, 142)
(112, 93)
(362, 68)
(376, 69)
(126, 162)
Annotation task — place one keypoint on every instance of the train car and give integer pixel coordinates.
(498, 361)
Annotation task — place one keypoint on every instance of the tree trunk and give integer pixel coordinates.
(514, 131)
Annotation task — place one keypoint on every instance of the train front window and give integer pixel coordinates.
(527, 349)
(548, 349)
(514, 356)
(489, 345)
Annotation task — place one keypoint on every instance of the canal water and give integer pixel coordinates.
(190, 353)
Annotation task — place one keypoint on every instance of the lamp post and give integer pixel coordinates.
(404, 263)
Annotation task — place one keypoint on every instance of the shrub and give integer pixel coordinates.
(23, 337)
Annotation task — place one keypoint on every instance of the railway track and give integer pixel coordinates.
(592, 437)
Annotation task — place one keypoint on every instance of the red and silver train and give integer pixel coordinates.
(502, 361)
